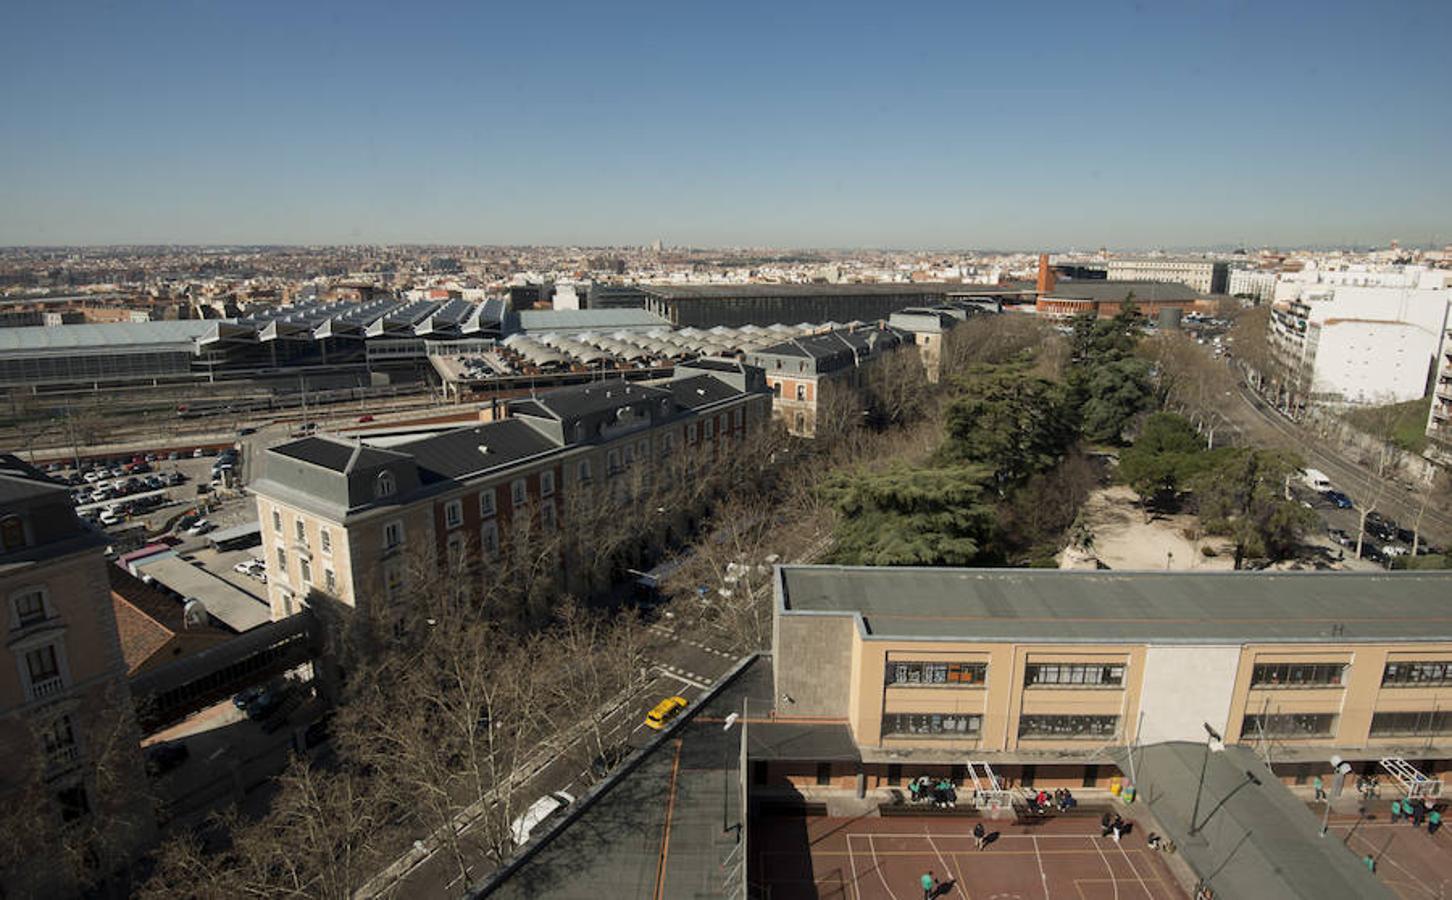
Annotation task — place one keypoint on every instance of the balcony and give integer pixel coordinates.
(47, 687)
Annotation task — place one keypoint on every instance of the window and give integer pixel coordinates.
(43, 666)
(801, 392)
(547, 484)
(29, 606)
(305, 570)
(582, 471)
(954, 673)
(667, 443)
(486, 504)
(518, 492)
(392, 535)
(72, 803)
(1289, 725)
(489, 539)
(385, 486)
(330, 581)
(325, 539)
(710, 431)
(1297, 675)
(302, 531)
(642, 450)
(776, 389)
(392, 579)
(739, 417)
(547, 516)
(824, 774)
(612, 462)
(282, 562)
(1068, 727)
(277, 521)
(59, 738)
(1416, 674)
(722, 421)
(453, 513)
(1090, 675)
(1411, 724)
(921, 724)
(454, 550)
(12, 533)
(691, 433)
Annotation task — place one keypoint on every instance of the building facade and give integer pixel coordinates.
(1055, 669)
(1105, 299)
(708, 305)
(1255, 283)
(67, 728)
(1360, 336)
(342, 518)
(810, 375)
(1207, 276)
(1439, 418)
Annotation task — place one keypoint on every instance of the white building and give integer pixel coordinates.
(1253, 283)
(1204, 275)
(1439, 418)
(1359, 335)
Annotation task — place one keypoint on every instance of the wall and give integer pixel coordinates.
(818, 680)
(1184, 688)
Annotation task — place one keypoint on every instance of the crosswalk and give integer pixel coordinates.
(666, 632)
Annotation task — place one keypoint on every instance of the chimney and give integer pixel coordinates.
(1046, 275)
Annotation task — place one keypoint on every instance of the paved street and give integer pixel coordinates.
(684, 665)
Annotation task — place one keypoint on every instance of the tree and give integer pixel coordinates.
(1108, 384)
(1014, 423)
(1165, 456)
(905, 516)
(1244, 496)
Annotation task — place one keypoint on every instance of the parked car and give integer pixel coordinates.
(522, 827)
(162, 758)
(364, 418)
(200, 527)
(265, 704)
(243, 698)
(664, 711)
(243, 432)
(1339, 499)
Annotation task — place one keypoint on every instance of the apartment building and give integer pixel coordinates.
(1044, 674)
(65, 710)
(1204, 275)
(1255, 283)
(341, 517)
(1439, 419)
(809, 375)
(931, 331)
(1360, 336)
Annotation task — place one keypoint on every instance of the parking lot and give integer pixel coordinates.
(146, 489)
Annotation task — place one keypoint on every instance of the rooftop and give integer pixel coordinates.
(1119, 290)
(1047, 605)
(722, 291)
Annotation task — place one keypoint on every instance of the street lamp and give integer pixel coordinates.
(1340, 770)
(1214, 742)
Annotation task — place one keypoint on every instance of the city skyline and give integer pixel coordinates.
(822, 127)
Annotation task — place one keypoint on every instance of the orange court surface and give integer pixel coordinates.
(1411, 862)
(875, 858)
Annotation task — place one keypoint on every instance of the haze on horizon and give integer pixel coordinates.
(822, 125)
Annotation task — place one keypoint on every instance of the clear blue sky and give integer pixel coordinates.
(954, 124)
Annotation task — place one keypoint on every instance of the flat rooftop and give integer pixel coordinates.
(726, 291)
(1048, 605)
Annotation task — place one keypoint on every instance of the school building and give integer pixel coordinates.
(1047, 676)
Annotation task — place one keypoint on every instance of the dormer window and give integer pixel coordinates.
(12, 533)
(385, 486)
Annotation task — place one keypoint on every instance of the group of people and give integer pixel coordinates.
(1111, 825)
(941, 793)
(1040, 803)
(1416, 810)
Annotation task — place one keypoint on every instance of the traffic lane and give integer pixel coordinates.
(437, 875)
(1391, 497)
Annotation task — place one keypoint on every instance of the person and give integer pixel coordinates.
(1434, 821)
(1417, 812)
(1069, 801)
(1116, 828)
(1106, 822)
(1320, 788)
(1153, 840)
(980, 835)
(930, 885)
(1396, 810)
(1370, 862)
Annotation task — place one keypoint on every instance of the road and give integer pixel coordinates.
(1262, 425)
(683, 665)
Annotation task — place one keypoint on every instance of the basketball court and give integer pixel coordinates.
(885, 858)
(1415, 865)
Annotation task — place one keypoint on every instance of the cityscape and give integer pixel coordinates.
(426, 473)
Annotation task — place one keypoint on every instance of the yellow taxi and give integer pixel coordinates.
(664, 711)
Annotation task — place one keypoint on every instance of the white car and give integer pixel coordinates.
(538, 811)
(92, 476)
(201, 526)
(111, 517)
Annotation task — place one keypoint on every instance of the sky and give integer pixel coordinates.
(1160, 123)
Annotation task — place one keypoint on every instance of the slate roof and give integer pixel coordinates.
(595, 397)
(19, 480)
(335, 454)
(701, 390)
(457, 454)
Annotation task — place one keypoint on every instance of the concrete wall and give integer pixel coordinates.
(819, 678)
(1184, 688)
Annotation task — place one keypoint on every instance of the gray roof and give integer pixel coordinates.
(594, 397)
(1118, 290)
(587, 319)
(19, 480)
(224, 601)
(700, 390)
(458, 453)
(334, 454)
(1261, 841)
(115, 337)
(1048, 605)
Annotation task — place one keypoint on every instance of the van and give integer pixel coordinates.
(664, 711)
(521, 828)
(1316, 480)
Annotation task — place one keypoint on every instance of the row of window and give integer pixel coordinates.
(1065, 727)
(1093, 675)
(1417, 674)
(1288, 725)
(1298, 674)
(305, 572)
(325, 535)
